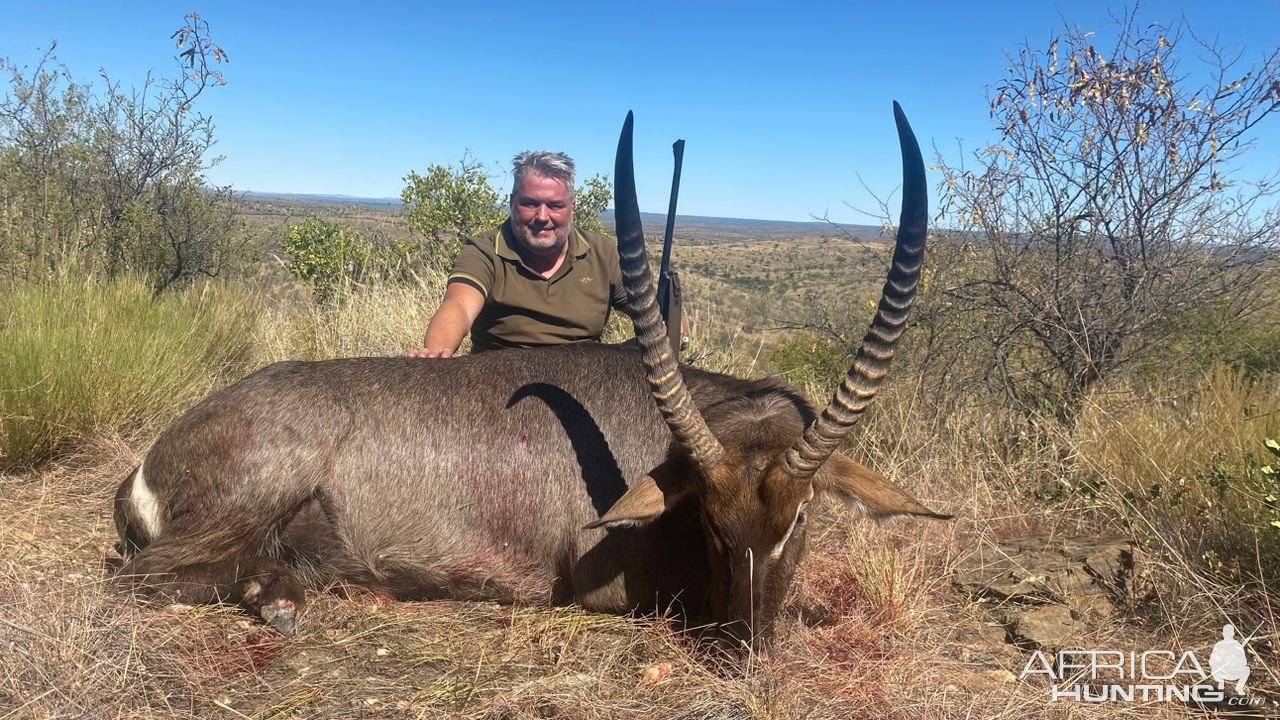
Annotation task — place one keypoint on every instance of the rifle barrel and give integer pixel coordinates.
(664, 273)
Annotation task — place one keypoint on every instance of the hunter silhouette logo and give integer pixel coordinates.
(1227, 661)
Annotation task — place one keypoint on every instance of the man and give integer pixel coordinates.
(536, 280)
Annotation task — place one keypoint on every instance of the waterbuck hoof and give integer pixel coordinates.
(280, 614)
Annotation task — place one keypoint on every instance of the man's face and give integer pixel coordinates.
(542, 214)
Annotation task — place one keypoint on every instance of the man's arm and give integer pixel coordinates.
(461, 305)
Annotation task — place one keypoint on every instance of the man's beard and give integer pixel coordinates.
(537, 245)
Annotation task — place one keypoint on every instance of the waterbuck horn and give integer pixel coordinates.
(664, 377)
(871, 363)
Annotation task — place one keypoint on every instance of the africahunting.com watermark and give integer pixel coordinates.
(1099, 676)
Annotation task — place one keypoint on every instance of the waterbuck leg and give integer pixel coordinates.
(261, 584)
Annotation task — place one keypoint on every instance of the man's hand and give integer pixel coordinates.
(431, 353)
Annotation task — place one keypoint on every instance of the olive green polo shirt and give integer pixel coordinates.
(524, 309)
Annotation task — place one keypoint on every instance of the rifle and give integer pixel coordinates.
(669, 300)
(1252, 634)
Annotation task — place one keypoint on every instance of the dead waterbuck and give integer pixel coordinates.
(532, 476)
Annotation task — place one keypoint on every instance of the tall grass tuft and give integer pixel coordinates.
(1183, 468)
(83, 356)
(357, 320)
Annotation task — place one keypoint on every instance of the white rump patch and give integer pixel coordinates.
(146, 507)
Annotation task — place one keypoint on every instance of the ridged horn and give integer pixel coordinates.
(664, 377)
(871, 364)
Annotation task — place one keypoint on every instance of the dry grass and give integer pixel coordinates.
(1183, 465)
(370, 320)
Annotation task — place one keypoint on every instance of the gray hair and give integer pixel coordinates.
(544, 163)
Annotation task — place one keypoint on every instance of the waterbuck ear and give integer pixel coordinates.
(867, 490)
(650, 496)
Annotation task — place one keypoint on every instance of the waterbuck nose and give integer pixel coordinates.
(734, 635)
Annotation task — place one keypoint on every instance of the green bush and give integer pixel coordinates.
(450, 205)
(85, 356)
(811, 362)
(1256, 351)
(325, 254)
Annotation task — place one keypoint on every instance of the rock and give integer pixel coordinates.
(1048, 587)
(1050, 628)
(1040, 568)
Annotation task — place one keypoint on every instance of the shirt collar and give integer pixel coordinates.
(504, 243)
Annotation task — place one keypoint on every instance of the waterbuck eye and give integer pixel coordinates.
(802, 513)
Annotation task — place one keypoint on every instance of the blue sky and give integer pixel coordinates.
(784, 106)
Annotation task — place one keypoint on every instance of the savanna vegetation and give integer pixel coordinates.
(1096, 352)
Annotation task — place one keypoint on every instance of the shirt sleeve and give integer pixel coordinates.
(474, 266)
(617, 291)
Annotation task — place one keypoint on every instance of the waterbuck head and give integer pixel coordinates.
(755, 461)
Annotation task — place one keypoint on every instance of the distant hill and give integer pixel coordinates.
(695, 229)
(700, 229)
(322, 200)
